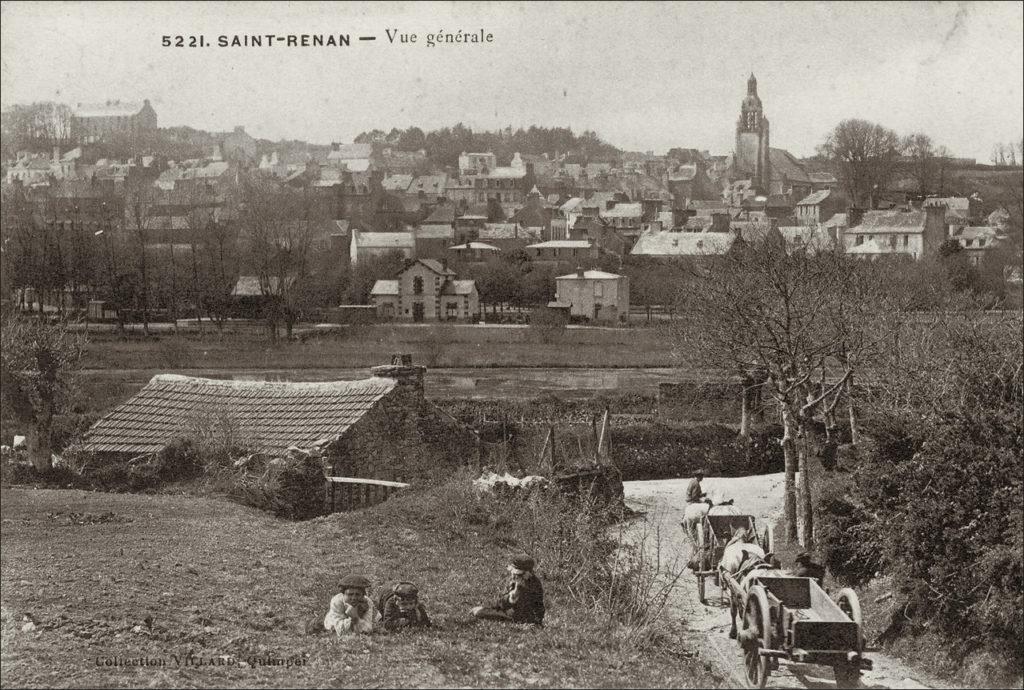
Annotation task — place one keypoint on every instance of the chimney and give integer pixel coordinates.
(579, 271)
(720, 222)
(401, 369)
(854, 216)
(444, 263)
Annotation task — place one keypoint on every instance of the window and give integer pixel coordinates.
(981, 241)
(969, 243)
(598, 289)
(906, 240)
(417, 285)
(860, 240)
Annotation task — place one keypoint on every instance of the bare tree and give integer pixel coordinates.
(139, 199)
(865, 155)
(38, 365)
(788, 316)
(279, 240)
(923, 164)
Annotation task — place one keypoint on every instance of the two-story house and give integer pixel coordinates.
(426, 290)
(593, 295)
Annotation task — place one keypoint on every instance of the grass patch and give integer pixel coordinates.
(221, 580)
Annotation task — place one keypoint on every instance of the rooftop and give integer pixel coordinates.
(668, 243)
(274, 415)
(590, 275)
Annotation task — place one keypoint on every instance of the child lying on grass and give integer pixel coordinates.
(402, 608)
(351, 610)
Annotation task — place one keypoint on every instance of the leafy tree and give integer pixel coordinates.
(39, 361)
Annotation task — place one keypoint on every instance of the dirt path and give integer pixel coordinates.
(707, 625)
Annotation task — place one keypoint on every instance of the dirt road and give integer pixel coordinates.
(707, 626)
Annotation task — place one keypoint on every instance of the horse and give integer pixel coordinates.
(693, 516)
(742, 558)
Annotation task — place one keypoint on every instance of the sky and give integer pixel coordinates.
(645, 76)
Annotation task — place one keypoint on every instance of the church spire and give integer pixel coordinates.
(752, 85)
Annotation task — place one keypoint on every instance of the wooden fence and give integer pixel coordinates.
(352, 493)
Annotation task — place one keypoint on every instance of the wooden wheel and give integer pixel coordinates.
(850, 605)
(756, 636)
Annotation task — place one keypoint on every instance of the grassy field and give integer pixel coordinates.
(92, 577)
(363, 346)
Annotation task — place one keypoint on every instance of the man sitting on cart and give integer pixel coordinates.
(694, 492)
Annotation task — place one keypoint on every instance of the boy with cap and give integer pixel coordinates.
(523, 600)
(352, 610)
(402, 608)
(806, 567)
(694, 491)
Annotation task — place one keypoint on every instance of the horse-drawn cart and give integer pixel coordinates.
(715, 532)
(793, 618)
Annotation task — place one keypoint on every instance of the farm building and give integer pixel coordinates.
(375, 428)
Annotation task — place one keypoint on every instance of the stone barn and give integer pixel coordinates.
(375, 428)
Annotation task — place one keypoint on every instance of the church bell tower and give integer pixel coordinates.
(751, 155)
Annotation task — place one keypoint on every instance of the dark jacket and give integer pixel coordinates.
(525, 602)
(393, 616)
(694, 493)
(811, 569)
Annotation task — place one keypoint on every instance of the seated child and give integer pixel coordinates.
(402, 608)
(352, 610)
(523, 600)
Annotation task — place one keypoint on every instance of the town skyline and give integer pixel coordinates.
(665, 85)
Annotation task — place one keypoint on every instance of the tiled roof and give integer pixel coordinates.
(667, 243)
(274, 415)
(385, 287)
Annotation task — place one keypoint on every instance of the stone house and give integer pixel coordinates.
(593, 295)
(379, 427)
(818, 207)
(426, 290)
(95, 122)
(916, 233)
(976, 241)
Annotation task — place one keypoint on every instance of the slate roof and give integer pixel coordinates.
(435, 266)
(475, 245)
(435, 231)
(838, 220)
(503, 231)
(955, 204)
(561, 244)
(623, 211)
(442, 214)
(590, 275)
(384, 240)
(429, 184)
(459, 287)
(784, 162)
(385, 287)
(108, 109)
(273, 414)
(249, 286)
(668, 243)
(890, 221)
(815, 198)
(809, 238)
(396, 183)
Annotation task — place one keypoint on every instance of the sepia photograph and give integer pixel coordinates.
(512, 344)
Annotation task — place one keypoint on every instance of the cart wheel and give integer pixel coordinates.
(757, 636)
(850, 605)
(846, 676)
(769, 540)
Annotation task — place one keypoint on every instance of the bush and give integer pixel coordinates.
(290, 487)
(654, 451)
(955, 497)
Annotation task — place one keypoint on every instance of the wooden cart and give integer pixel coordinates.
(793, 618)
(715, 532)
